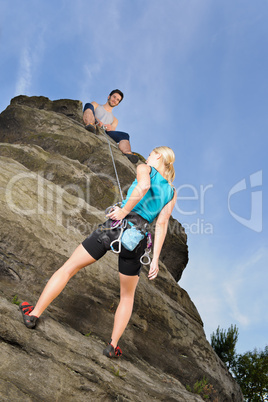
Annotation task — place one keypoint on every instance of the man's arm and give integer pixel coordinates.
(95, 105)
(111, 127)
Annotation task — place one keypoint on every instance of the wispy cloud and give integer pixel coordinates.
(158, 40)
(31, 50)
(24, 79)
(232, 299)
(244, 288)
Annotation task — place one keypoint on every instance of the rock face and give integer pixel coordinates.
(56, 181)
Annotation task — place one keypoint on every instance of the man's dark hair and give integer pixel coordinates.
(117, 91)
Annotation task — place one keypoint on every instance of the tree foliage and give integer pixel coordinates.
(249, 369)
(251, 373)
(224, 342)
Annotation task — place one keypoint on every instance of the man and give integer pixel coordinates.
(102, 115)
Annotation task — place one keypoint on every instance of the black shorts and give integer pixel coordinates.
(98, 243)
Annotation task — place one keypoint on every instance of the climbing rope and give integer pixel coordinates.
(112, 156)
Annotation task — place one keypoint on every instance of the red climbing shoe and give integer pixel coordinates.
(29, 320)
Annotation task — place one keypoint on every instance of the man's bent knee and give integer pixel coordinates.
(89, 106)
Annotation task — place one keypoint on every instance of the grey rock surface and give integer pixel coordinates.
(56, 181)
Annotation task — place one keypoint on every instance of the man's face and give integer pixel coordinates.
(114, 99)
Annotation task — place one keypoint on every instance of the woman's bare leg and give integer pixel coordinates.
(123, 313)
(78, 260)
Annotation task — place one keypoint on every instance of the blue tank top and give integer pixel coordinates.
(158, 195)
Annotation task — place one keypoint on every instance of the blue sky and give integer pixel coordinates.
(194, 75)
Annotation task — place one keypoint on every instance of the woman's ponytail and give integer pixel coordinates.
(168, 160)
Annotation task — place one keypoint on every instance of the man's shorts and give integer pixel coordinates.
(98, 243)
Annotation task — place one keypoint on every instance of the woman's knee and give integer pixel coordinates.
(67, 271)
(72, 266)
(128, 286)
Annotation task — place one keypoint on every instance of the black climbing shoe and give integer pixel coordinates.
(29, 320)
(132, 157)
(91, 128)
(110, 351)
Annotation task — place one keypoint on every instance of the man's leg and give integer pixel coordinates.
(124, 146)
(89, 117)
(89, 114)
(122, 140)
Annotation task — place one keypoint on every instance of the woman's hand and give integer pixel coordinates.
(153, 269)
(117, 214)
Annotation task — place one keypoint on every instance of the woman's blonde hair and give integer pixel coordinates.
(168, 159)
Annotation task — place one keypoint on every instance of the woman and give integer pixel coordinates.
(151, 195)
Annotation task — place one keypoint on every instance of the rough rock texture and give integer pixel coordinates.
(56, 181)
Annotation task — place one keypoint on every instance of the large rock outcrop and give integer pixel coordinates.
(56, 181)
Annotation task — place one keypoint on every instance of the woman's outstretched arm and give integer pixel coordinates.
(160, 234)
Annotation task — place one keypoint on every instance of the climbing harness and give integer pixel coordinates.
(129, 238)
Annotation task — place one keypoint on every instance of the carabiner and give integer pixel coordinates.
(121, 225)
(116, 224)
(144, 256)
(111, 208)
(119, 245)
